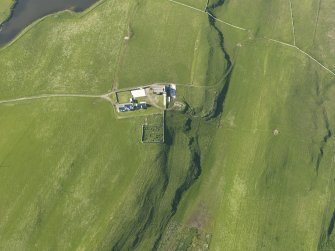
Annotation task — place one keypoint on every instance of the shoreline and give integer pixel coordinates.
(77, 14)
(10, 14)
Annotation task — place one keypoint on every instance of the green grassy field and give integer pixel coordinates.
(248, 165)
(5, 9)
(63, 165)
(261, 178)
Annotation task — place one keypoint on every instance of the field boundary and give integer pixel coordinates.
(155, 127)
(317, 21)
(292, 21)
(303, 52)
(163, 126)
(207, 13)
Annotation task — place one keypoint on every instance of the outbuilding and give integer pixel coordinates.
(158, 89)
(138, 93)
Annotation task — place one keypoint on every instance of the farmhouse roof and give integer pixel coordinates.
(158, 88)
(138, 93)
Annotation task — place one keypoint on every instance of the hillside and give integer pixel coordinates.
(247, 165)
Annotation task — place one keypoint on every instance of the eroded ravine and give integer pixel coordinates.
(192, 123)
(188, 124)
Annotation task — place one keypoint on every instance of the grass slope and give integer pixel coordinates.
(71, 171)
(261, 179)
(315, 29)
(64, 173)
(67, 52)
(260, 17)
(252, 179)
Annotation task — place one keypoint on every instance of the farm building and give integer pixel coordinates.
(158, 89)
(138, 93)
(142, 105)
(173, 91)
(131, 107)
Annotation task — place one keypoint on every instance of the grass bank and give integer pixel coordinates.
(6, 7)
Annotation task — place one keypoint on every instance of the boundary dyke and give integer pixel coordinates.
(74, 14)
(163, 128)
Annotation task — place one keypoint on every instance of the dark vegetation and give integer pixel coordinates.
(193, 126)
(220, 98)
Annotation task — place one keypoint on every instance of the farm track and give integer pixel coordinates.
(206, 12)
(292, 22)
(316, 21)
(65, 95)
(46, 96)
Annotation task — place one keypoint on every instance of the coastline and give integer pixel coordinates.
(30, 26)
(10, 13)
